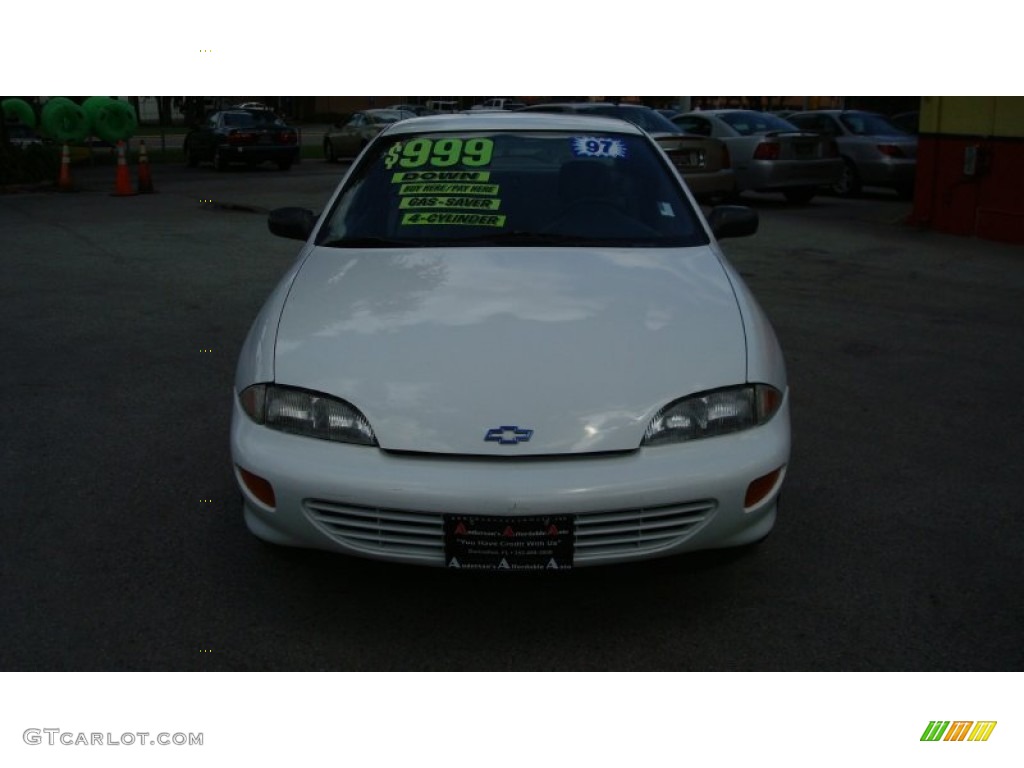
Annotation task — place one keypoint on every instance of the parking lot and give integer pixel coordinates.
(123, 548)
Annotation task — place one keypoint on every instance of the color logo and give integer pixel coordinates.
(958, 730)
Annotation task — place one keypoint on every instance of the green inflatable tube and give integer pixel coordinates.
(63, 120)
(110, 119)
(20, 110)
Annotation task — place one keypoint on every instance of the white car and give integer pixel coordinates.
(511, 341)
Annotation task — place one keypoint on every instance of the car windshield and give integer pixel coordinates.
(748, 123)
(512, 188)
(869, 124)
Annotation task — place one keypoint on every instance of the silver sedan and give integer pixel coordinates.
(769, 154)
(348, 139)
(874, 151)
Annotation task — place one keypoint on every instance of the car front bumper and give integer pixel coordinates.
(652, 502)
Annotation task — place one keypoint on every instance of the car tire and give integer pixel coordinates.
(220, 163)
(800, 195)
(284, 165)
(849, 183)
(329, 153)
(190, 156)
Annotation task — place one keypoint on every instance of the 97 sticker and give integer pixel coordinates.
(594, 146)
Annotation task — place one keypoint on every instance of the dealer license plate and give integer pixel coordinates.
(509, 543)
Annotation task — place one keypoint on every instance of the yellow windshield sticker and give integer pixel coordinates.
(450, 201)
(448, 189)
(440, 153)
(407, 176)
(471, 219)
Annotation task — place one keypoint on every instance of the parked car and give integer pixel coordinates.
(349, 138)
(498, 104)
(704, 162)
(417, 109)
(768, 153)
(511, 341)
(874, 151)
(252, 105)
(443, 105)
(249, 136)
(21, 135)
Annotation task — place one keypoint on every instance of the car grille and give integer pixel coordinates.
(637, 531)
(420, 535)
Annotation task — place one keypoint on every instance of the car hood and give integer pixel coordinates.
(580, 346)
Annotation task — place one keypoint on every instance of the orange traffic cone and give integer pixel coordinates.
(123, 182)
(145, 177)
(64, 180)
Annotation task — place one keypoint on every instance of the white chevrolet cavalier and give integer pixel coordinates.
(511, 341)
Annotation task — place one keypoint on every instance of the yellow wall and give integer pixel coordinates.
(973, 115)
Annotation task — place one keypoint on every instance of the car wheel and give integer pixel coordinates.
(905, 192)
(190, 156)
(329, 153)
(220, 163)
(800, 195)
(284, 165)
(849, 183)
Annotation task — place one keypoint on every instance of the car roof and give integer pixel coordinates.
(512, 121)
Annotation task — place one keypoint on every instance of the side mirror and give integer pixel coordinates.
(296, 223)
(733, 221)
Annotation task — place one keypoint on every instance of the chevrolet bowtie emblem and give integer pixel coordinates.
(508, 435)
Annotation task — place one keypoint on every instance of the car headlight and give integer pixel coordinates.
(713, 413)
(302, 412)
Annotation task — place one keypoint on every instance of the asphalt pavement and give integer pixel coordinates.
(898, 546)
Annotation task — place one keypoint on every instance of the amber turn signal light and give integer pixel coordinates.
(262, 489)
(760, 488)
